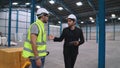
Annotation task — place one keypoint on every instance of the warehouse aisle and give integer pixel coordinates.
(88, 55)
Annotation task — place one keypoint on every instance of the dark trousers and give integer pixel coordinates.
(69, 58)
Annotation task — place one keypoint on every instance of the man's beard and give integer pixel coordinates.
(45, 21)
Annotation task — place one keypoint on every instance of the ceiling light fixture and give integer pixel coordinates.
(59, 22)
(82, 22)
(27, 3)
(60, 8)
(113, 15)
(51, 1)
(79, 3)
(38, 6)
(92, 21)
(105, 19)
(118, 18)
(90, 18)
(14, 3)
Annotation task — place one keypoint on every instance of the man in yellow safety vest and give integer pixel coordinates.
(35, 45)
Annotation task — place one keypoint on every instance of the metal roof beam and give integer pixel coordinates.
(53, 13)
(92, 12)
(92, 5)
(65, 6)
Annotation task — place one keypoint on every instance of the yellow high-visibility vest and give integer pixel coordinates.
(41, 42)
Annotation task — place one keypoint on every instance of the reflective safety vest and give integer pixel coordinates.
(40, 42)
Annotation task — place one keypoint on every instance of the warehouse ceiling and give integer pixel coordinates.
(89, 8)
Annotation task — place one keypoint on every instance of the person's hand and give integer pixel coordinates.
(38, 62)
(51, 37)
(76, 43)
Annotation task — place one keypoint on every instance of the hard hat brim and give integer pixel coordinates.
(70, 18)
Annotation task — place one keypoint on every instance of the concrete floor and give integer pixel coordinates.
(88, 55)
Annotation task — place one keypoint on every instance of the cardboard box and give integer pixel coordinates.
(11, 58)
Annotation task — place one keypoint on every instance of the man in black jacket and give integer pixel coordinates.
(73, 37)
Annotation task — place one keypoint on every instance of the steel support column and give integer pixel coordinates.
(17, 15)
(60, 26)
(86, 30)
(113, 29)
(102, 41)
(97, 29)
(17, 21)
(9, 22)
(48, 28)
(32, 11)
(90, 31)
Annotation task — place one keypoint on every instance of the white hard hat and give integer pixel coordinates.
(42, 10)
(72, 16)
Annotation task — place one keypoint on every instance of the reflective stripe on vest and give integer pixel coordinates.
(39, 51)
(37, 43)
